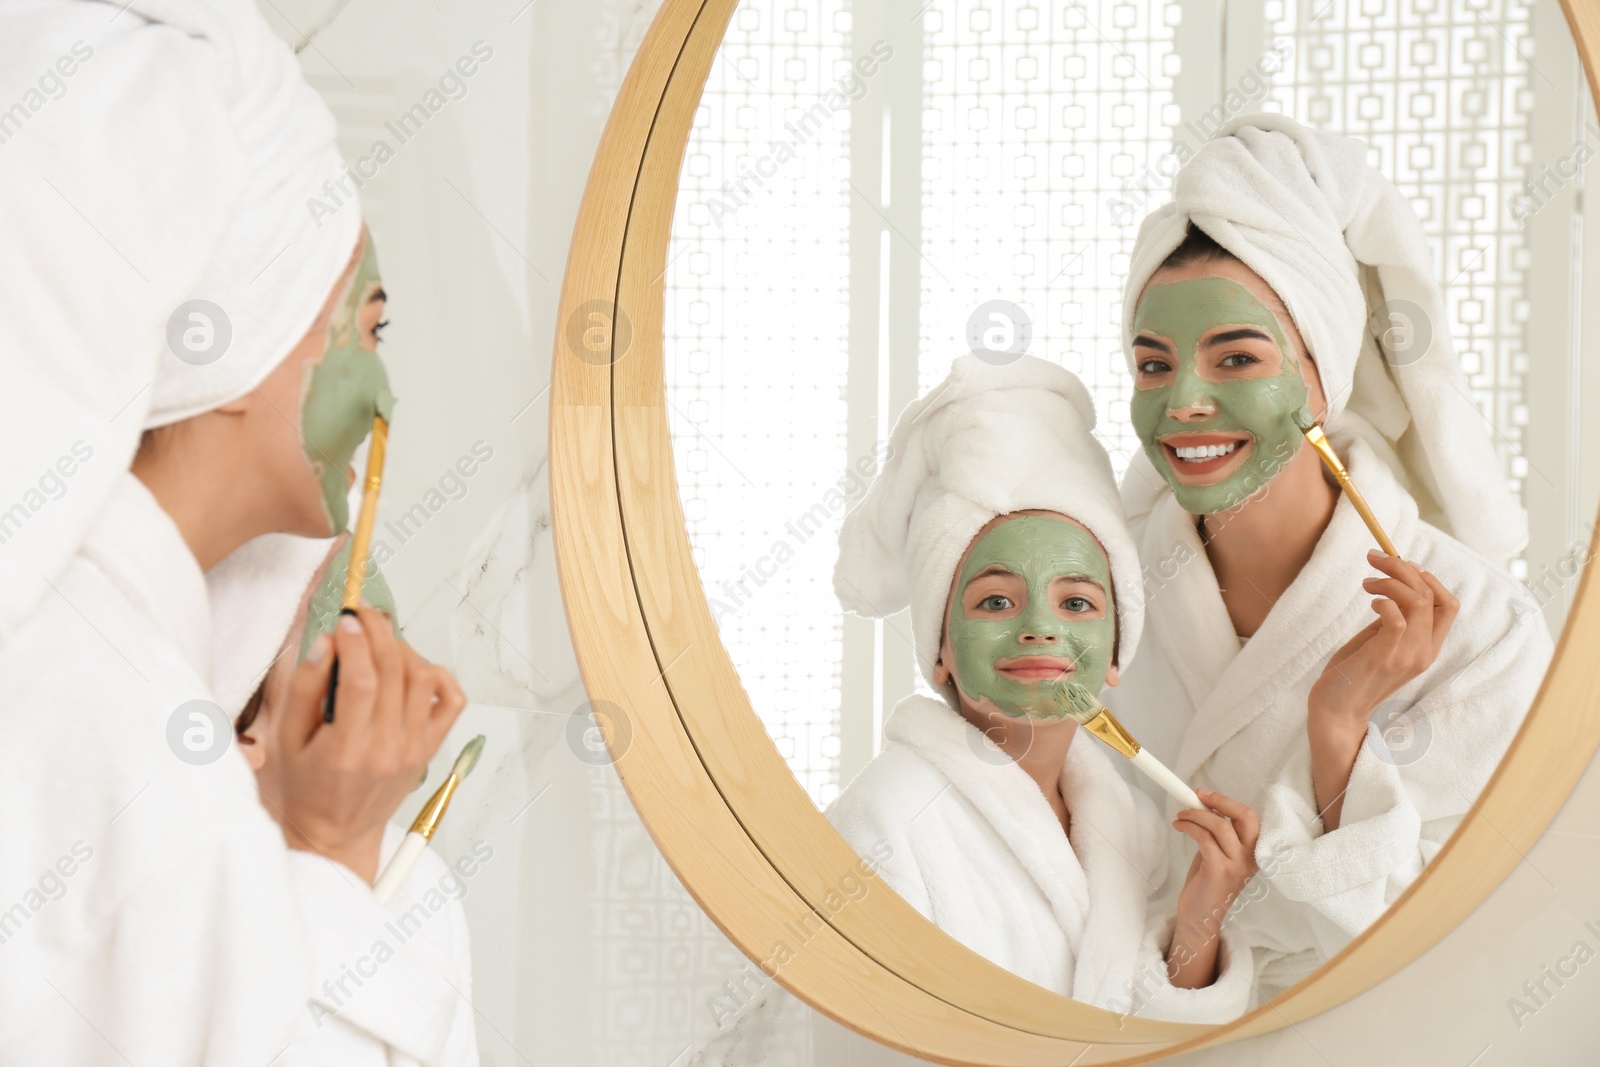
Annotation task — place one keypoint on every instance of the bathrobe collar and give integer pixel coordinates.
(141, 550)
(1230, 683)
(1096, 885)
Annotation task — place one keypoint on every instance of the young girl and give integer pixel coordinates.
(996, 518)
(1359, 702)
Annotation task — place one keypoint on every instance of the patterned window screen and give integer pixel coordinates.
(1038, 117)
(756, 349)
(1442, 93)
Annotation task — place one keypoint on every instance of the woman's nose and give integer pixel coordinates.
(1036, 636)
(1190, 399)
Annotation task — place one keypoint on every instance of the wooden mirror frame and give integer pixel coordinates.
(707, 780)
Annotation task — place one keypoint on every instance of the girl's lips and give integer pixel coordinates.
(1037, 669)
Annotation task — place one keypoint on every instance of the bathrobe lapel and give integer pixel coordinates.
(1097, 883)
(1324, 607)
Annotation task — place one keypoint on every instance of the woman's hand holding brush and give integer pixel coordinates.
(334, 786)
(1415, 612)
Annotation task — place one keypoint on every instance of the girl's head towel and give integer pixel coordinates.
(987, 441)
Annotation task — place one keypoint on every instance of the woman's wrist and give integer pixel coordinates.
(360, 855)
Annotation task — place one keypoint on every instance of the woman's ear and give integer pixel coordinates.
(941, 673)
(1113, 676)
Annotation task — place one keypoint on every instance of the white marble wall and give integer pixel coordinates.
(588, 951)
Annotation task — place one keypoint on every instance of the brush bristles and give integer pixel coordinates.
(1302, 418)
(1076, 700)
(468, 758)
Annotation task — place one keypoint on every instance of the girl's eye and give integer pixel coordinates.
(377, 330)
(995, 602)
(1238, 359)
(1154, 366)
(1077, 605)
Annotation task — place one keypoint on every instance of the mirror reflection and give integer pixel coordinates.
(1133, 460)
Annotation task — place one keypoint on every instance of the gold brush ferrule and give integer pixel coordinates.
(1330, 459)
(1108, 729)
(361, 540)
(427, 820)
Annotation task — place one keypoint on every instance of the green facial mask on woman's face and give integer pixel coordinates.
(322, 614)
(1182, 313)
(1038, 549)
(344, 392)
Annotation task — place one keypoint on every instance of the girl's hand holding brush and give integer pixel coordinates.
(333, 786)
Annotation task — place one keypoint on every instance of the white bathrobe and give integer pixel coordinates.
(1231, 716)
(977, 849)
(149, 910)
(973, 845)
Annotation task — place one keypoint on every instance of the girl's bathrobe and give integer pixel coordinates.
(964, 835)
(976, 848)
(1231, 715)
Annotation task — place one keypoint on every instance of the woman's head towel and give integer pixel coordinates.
(177, 165)
(987, 441)
(1343, 248)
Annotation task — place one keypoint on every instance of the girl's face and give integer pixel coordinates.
(1031, 605)
(1218, 375)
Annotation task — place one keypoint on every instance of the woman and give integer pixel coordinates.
(1361, 740)
(188, 913)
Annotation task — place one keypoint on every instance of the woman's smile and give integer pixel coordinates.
(1205, 458)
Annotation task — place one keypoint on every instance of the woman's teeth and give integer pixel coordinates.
(1205, 452)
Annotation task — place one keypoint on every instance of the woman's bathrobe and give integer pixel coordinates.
(149, 910)
(1231, 716)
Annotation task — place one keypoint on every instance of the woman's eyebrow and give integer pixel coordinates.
(992, 569)
(1242, 333)
(378, 294)
(1083, 578)
(1146, 341)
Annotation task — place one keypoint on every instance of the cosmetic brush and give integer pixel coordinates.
(424, 825)
(1330, 459)
(1078, 702)
(360, 541)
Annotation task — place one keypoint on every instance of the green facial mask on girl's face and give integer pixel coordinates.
(1038, 549)
(322, 614)
(344, 392)
(1182, 313)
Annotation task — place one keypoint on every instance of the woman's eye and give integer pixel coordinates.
(1154, 366)
(1238, 359)
(995, 602)
(377, 329)
(1077, 605)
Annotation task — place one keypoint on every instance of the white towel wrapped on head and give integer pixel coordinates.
(1343, 249)
(989, 440)
(176, 166)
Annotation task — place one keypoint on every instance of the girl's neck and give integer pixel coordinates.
(1038, 747)
(1258, 549)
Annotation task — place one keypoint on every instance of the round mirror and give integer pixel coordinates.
(863, 197)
